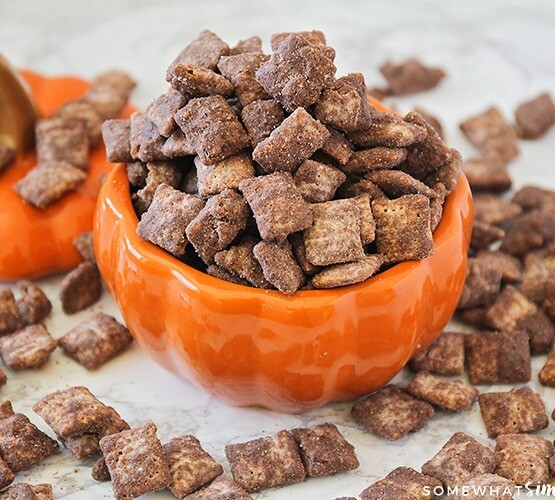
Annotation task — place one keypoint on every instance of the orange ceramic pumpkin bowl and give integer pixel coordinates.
(249, 346)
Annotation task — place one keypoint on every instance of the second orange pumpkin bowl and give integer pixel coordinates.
(254, 347)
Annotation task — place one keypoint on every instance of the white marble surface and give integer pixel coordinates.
(494, 52)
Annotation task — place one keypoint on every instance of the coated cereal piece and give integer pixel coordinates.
(343, 104)
(324, 450)
(494, 137)
(402, 482)
(387, 129)
(190, 466)
(226, 174)
(109, 93)
(483, 235)
(240, 260)
(502, 357)
(292, 142)
(204, 51)
(251, 44)
(261, 118)
(279, 265)
(315, 36)
(338, 147)
(460, 458)
(410, 76)
(26, 491)
(539, 273)
(299, 250)
(425, 157)
(395, 183)
(447, 174)
(376, 158)
(136, 462)
(297, 72)
(533, 197)
(529, 231)
(444, 356)
(484, 175)
(149, 139)
(47, 183)
(482, 283)
(513, 311)
(523, 458)
(334, 236)
(266, 462)
(445, 393)
(240, 70)
(511, 267)
(3, 380)
(162, 109)
(535, 117)
(27, 348)
(167, 218)
(7, 155)
(82, 112)
(212, 128)
(83, 242)
(485, 487)
(392, 412)
(367, 223)
(317, 182)
(223, 274)
(99, 471)
(80, 288)
(96, 340)
(433, 120)
(33, 306)
(514, 412)
(163, 172)
(223, 217)
(6, 409)
(22, 444)
(9, 317)
(197, 81)
(547, 372)
(492, 209)
(403, 228)
(349, 273)
(116, 137)
(277, 205)
(137, 172)
(177, 145)
(221, 488)
(64, 141)
(352, 188)
(6, 476)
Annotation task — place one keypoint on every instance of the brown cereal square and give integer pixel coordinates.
(317, 182)
(433, 120)
(349, 273)
(403, 228)
(162, 109)
(96, 340)
(484, 175)
(3, 380)
(367, 160)
(33, 306)
(190, 466)
(261, 118)
(167, 218)
(277, 205)
(299, 250)
(22, 444)
(447, 174)
(225, 174)
(80, 288)
(62, 141)
(511, 267)
(27, 348)
(279, 265)
(539, 273)
(221, 488)
(47, 183)
(9, 317)
(483, 235)
(106, 101)
(533, 197)
(528, 232)
(83, 242)
(367, 222)
(523, 458)
(410, 76)
(337, 147)
(343, 104)
(115, 134)
(482, 283)
(334, 236)
(212, 128)
(444, 356)
(240, 260)
(136, 461)
(299, 135)
(324, 450)
(402, 482)
(163, 172)
(6, 409)
(392, 412)
(137, 172)
(266, 462)
(535, 117)
(7, 155)
(223, 274)
(223, 217)
(514, 412)
(492, 135)
(177, 145)
(204, 51)
(150, 141)
(196, 81)
(297, 72)
(485, 487)
(116, 82)
(83, 112)
(461, 458)
(6, 475)
(251, 44)
(491, 209)
(547, 372)
(395, 183)
(498, 357)
(240, 70)
(445, 393)
(315, 36)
